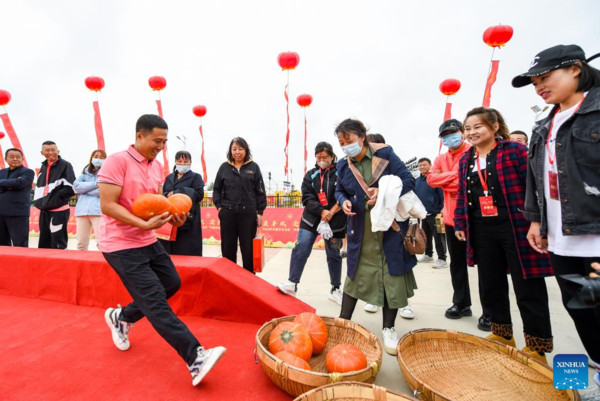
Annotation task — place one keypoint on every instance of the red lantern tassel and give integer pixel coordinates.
(165, 159)
(487, 95)
(12, 135)
(305, 137)
(287, 135)
(98, 126)
(202, 156)
(1, 158)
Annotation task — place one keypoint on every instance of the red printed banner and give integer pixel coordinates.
(10, 130)
(98, 126)
(487, 95)
(1, 158)
(448, 111)
(165, 158)
(204, 174)
(287, 134)
(280, 226)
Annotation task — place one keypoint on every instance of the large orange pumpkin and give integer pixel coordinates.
(180, 203)
(293, 360)
(317, 330)
(146, 206)
(291, 337)
(345, 358)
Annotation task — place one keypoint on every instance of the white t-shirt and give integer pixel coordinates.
(572, 245)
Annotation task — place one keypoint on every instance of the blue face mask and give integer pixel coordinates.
(452, 140)
(182, 169)
(352, 150)
(97, 162)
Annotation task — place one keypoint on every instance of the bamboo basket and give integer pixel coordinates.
(352, 391)
(449, 365)
(295, 381)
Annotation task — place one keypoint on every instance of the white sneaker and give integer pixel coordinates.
(371, 308)
(407, 312)
(288, 288)
(206, 359)
(390, 340)
(119, 328)
(425, 259)
(336, 296)
(440, 264)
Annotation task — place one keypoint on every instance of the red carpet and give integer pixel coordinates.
(57, 351)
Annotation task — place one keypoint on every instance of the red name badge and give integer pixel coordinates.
(323, 198)
(487, 206)
(553, 182)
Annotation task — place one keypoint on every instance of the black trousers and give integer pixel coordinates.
(53, 229)
(458, 269)
(587, 321)
(496, 250)
(14, 231)
(238, 226)
(150, 278)
(432, 234)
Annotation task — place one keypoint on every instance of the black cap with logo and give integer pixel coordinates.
(551, 59)
(451, 125)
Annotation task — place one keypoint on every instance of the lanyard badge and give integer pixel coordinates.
(488, 209)
(322, 195)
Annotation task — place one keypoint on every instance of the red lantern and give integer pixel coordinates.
(2, 135)
(288, 60)
(497, 36)
(304, 100)
(199, 111)
(4, 97)
(95, 84)
(157, 83)
(450, 86)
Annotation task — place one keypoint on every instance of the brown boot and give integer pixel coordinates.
(503, 334)
(537, 347)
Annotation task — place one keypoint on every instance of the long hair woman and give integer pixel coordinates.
(239, 195)
(87, 211)
(379, 268)
(491, 194)
(563, 176)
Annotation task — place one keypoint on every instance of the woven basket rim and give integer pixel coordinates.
(356, 384)
(326, 319)
(460, 336)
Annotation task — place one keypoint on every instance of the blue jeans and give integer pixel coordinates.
(302, 251)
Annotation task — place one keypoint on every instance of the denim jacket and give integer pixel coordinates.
(86, 186)
(578, 167)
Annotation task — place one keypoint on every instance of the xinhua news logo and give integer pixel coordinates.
(570, 371)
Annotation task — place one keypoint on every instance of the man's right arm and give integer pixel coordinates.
(109, 202)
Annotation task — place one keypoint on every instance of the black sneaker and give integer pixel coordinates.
(456, 312)
(485, 323)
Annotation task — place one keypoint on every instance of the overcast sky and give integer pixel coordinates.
(377, 61)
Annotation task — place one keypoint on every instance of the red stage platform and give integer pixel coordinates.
(63, 349)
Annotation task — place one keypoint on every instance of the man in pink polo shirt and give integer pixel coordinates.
(130, 247)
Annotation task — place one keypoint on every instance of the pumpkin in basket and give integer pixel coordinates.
(293, 360)
(180, 203)
(317, 330)
(291, 337)
(146, 206)
(345, 358)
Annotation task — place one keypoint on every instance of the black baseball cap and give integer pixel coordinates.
(548, 60)
(451, 125)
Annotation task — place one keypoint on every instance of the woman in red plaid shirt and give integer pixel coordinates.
(491, 196)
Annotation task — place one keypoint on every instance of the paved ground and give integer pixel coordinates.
(429, 303)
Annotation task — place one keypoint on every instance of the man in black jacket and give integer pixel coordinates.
(433, 200)
(15, 198)
(53, 191)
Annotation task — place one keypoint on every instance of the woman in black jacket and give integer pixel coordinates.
(239, 195)
(184, 181)
(318, 198)
(563, 177)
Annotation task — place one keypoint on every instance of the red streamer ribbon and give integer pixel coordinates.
(487, 95)
(204, 175)
(1, 158)
(305, 136)
(98, 126)
(12, 135)
(165, 159)
(448, 112)
(287, 135)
